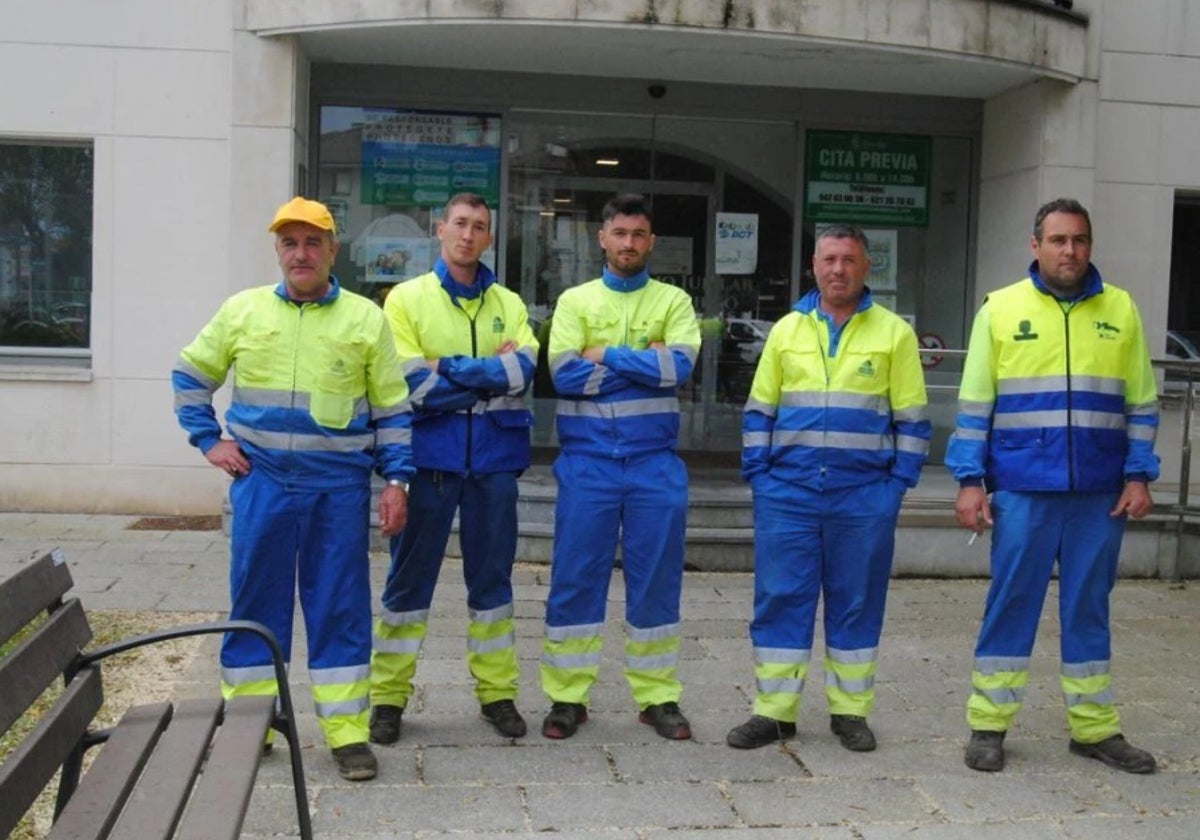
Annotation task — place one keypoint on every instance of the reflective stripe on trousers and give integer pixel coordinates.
(1032, 532)
(320, 539)
(642, 501)
(836, 545)
(487, 507)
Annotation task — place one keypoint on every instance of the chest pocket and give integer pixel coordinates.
(603, 328)
(338, 382)
(258, 352)
(803, 370)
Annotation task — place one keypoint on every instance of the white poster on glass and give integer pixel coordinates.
(737, 243)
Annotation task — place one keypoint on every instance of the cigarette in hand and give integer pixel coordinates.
(974, 536)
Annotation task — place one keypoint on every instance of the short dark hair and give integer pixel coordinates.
(1059, 205)
(628, 204)
(471, 200)
(845, 231)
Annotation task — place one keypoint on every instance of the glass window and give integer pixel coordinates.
(45, 245)
(386, 174)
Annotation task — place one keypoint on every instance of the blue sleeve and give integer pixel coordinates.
(508, 373)
(653, 367)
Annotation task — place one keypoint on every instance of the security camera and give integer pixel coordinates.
(657, 91)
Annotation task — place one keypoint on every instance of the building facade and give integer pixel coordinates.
(144, 146)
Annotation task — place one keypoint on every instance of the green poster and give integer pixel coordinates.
(854, 176)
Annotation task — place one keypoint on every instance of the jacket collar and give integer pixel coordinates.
(625, 284)
(484, 277)
(1092, 284)
(335, 289)
(812, 299)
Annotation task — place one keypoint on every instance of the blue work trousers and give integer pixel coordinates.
(487, 531)
(283, 534)
(642, 502)
(838, 544)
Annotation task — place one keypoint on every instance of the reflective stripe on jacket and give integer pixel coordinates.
(627, 405)
(471, 414)
(834, 407)
(1056, 395)
(318, 398)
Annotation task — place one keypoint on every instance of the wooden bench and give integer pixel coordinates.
(182, 770)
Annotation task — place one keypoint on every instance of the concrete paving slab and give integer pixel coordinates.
(452, 776)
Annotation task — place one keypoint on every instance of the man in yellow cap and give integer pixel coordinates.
(318, 402)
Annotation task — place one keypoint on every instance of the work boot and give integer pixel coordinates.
(563, 720)
(1117, 752)
(504, 717)
(667, 721)
(985, 751)
(355, 762)
(758, 732)
(385, 724)
(853, 731)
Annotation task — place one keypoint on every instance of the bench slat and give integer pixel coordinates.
(102, 792)
(219, 804)
(32, 590)
(40, 659)
(155, 805)
(31, 765)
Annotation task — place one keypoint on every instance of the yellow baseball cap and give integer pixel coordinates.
(304, 210)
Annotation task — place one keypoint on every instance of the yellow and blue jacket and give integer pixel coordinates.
(318, 396)
(1056, 395)
(627, 405)
(471, 414)
(834, 407)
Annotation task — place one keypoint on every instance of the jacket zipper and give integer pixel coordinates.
(1070, 403)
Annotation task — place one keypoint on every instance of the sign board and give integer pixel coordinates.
(421, 158)
(860, 177)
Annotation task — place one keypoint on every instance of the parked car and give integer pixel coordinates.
(1182, 348)
(745, 337)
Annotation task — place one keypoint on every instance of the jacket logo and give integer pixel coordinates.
(498, 325)
(1024, 333)
(1106, 330)
(866, 368)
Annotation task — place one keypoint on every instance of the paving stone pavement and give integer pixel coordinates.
(451, 776)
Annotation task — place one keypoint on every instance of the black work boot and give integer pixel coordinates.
(355, 762)
(1116, 752)
(985, 751)
(563, 720)
(853, 732)
(385, 724)
(504, 718)
(667, 720)
(758, 732)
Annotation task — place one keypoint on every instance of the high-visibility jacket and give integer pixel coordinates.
(627, 405)
(318, 396)
(471, 414)
(1056, 395)
(834, 407)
